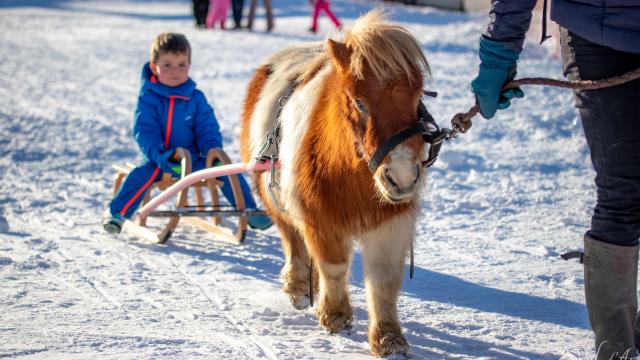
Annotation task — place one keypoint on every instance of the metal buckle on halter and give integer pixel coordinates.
(433, 153)
(431, 134)
(435, 140)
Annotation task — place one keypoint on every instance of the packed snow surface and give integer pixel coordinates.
(502, 202)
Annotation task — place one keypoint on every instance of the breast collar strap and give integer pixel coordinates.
(270, 149)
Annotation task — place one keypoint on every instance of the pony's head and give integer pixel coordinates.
(381, 69)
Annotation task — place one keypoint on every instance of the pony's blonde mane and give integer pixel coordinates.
(389, 50)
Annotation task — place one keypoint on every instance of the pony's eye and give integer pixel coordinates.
(360, 106)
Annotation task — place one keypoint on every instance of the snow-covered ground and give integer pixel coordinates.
(502, 203)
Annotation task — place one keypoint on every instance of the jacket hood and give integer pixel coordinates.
(149, 82)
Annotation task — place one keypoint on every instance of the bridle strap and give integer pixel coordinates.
(426, 127)
(391, 143)
(435, 139)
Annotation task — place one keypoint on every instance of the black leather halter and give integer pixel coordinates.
(426, 127)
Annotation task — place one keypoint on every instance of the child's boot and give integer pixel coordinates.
(260, 222)
(113, 224)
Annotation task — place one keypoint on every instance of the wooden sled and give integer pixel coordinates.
(229, 224)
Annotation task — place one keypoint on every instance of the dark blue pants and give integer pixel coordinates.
(139, 180)
(200, 10)
(611, 122)
(237, 6)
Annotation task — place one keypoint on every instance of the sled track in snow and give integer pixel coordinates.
(214, 299)
(132, 252)
(79, 272)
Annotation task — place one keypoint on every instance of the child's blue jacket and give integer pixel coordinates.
(171, 117)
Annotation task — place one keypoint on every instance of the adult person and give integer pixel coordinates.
(237, 6)
(200, 10)
(252, 14)
(599, 39)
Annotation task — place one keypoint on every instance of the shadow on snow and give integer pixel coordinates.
(261, 257)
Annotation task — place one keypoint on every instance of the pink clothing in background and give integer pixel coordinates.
(323, 5)
(217, 12)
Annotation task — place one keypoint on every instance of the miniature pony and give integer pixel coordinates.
(332, 105)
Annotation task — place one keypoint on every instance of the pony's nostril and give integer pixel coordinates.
(387, 176)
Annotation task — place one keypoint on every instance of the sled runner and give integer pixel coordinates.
(228, 222)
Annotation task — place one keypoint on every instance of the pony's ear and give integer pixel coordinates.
(340, 54)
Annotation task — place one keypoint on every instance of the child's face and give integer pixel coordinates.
(172, 69)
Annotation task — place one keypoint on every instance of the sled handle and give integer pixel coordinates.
(224, 170)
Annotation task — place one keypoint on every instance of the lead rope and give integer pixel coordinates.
(310, 281)
(411, 261)
(461, 122)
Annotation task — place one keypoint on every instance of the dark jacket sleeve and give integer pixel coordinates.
(147, 128)
(509, 21)
(207, 130)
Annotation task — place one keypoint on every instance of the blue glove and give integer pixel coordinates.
(497, 66)
(165, 163)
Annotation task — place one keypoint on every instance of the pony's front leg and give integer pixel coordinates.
(295, 273)
(332, 257)
(334, 308)
(383, 254)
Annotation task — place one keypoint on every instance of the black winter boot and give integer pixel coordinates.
(637, 332)
(610, 279)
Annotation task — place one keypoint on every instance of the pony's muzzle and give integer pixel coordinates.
(400, 183)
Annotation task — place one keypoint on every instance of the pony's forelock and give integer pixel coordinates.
(389, 50)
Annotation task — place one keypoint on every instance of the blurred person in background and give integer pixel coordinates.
(237, 6)
(218, 10)
(324, 5)
(252, 14)
(200, 10)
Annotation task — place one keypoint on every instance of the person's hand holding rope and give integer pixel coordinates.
(497, 66)
(495, 86)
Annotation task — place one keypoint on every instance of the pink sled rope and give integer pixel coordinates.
(214, 172)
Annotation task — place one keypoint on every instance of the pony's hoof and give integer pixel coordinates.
(300, 302)
(295, 277)
(335, 323)
(390, 345)
(298, 293)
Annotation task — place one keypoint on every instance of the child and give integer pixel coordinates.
(171, 113)
(217, 13)
(323, 5)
